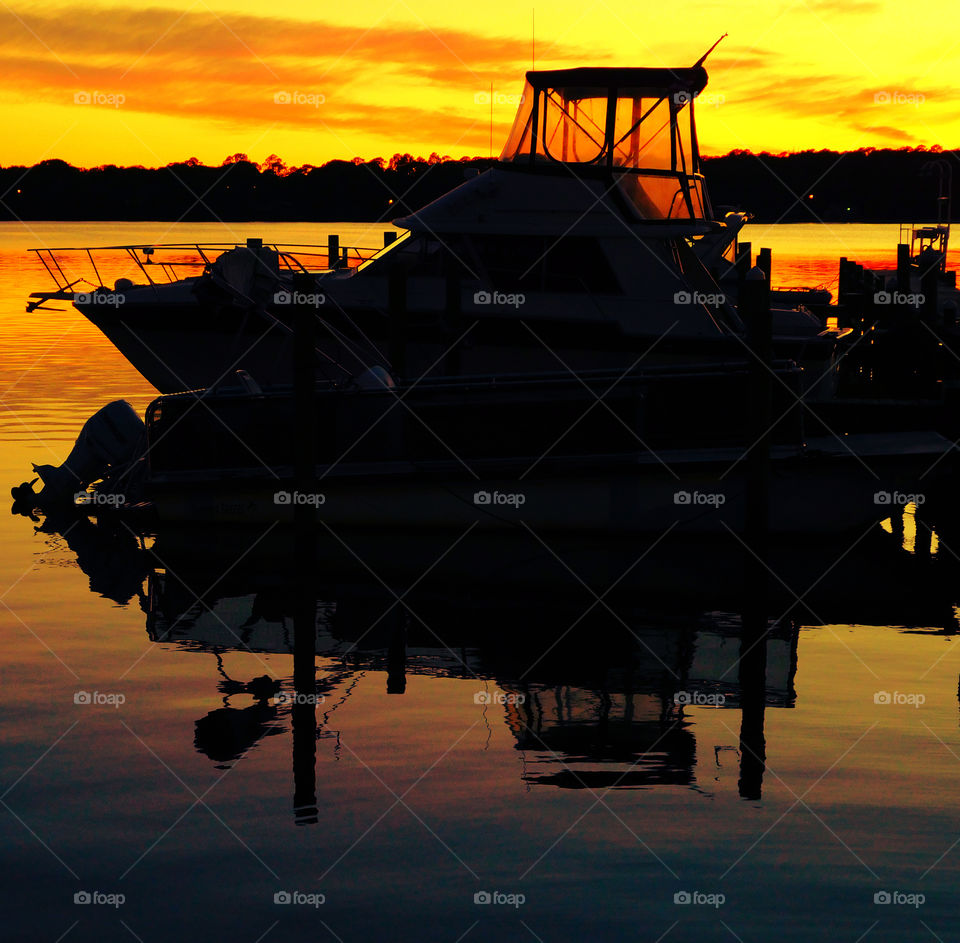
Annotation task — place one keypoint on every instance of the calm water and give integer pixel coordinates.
(530, 746)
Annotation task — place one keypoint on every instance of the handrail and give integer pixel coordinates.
(299, 257)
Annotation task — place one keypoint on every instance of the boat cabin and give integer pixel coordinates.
(635, 125)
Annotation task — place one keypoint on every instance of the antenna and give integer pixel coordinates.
(702, 59)
(491, 120)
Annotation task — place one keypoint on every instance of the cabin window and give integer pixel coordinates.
(536, 263)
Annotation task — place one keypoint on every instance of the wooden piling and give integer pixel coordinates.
(303, 713)
(742, 261)
(765, 263)
(397, 656)
(754, 311)
(333, 251)
(903, 268)
(304, 385)
(843, 293)
(930, 261)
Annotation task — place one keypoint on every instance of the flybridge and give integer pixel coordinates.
(636, 125)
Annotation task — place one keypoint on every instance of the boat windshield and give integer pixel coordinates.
(643, 134)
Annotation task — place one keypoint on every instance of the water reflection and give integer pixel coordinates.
(597, 692)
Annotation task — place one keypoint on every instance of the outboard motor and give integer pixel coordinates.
(112, 439)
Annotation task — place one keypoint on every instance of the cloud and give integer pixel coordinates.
(887, 131)
(852, 7)
(392, 81)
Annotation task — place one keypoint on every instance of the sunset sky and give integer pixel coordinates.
(158, 82)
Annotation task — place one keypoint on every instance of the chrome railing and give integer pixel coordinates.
(92, 266)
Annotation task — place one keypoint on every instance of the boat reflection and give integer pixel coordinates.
(600, 689)
(625, 725)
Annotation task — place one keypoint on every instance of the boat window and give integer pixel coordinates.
(537, 263)
(644, 136)
(641, 131)
(574, 123)
(570, 125)
(425, 255)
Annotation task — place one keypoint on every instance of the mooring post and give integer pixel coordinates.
(903, 268)
(333, 251)
(389, 237)
(843, 293)
(755, 314)
(742, 260)
(930, 261)
(397, 655)
(303, 712)
(765, 263)
(304, 383)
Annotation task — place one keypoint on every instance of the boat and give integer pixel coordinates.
(664, 448)
(591, 242)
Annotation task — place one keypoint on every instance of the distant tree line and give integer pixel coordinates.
(867, 185)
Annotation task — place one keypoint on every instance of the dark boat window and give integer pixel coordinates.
(537, 263)
(435, 256)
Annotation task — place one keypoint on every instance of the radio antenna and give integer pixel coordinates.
(703, 58)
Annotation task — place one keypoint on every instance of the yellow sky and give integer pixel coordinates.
(100, 82)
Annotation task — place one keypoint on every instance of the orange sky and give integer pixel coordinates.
(101, 82)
